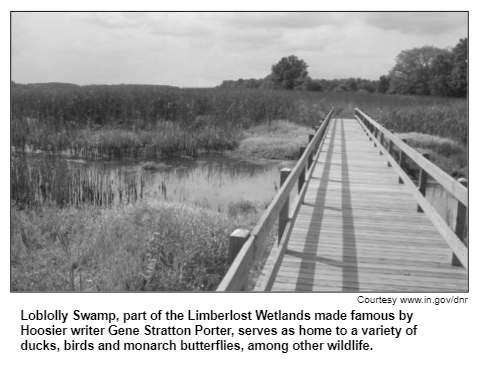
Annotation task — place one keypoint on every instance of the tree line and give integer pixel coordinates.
(419, 71)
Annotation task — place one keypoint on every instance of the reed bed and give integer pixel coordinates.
(438, 116)
(450, 121)
(143, 119)
(58, 184)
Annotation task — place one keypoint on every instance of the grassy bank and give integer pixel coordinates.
(449, 155)
(279, 140)
(449, 120)
(140, 247)
(438, 116)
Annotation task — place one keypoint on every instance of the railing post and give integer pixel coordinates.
(309, 159)
(316, 129)
(401, 161)
(423, 180)
(302, 176)
(381, 142)
(236, 241)
(390, 150)
(460, 222)
(284, 213)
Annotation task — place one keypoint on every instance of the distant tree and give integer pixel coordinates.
(289, 73)
(383, 85)
(312, 85)
(412, 72)
(441, 70)
(267, 83)
(459, 74)
(367, 85)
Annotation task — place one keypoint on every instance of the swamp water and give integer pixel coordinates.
(211, 180)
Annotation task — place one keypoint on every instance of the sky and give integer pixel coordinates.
(201, 49)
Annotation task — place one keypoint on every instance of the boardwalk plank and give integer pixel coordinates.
(359, 229)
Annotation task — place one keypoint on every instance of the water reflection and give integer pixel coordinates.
(211, 179)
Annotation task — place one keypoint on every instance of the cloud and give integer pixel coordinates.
(417, 22)
(285, 20)
(111, 19)
(202, 49)
(156, 23)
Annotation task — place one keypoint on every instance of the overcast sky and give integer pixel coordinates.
(202, 49)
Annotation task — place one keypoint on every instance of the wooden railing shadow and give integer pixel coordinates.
(244, 245)
(389, 144)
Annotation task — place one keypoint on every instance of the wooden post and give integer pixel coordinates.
(401, 161)
(390, 147)
(423, 180)
(302, 176)
(316, 130)
(381, 142)
(460, 223)
(236, 241)
(284, 213)
(309, 159)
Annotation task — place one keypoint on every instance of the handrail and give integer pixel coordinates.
(460, 192)
(446, 181)
(268, 280)
(238, 273)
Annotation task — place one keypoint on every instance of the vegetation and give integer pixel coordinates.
(450, 156)
(144, 120)
(288, 74)
(431, 71)
(449, 120)
(419, 71)
(280, 140)
(163, 246)
(159, 246)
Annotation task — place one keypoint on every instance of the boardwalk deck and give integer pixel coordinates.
(359, 229)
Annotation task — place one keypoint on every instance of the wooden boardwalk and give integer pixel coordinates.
(359, 229)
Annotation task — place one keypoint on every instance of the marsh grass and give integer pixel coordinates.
(33, 186)
(159, 247)
(279, 140)
(449, 155)
(448, 120)
(147, 120)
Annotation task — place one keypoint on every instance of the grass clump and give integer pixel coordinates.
(449, 155)
(279, 140)
(448, 120)
(155, 247)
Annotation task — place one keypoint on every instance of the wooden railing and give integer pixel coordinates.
(244, 245)
(387, 142)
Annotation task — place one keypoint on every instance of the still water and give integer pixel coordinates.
(213, 180)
